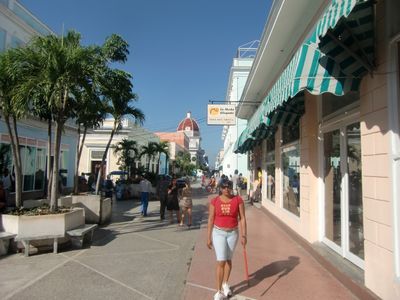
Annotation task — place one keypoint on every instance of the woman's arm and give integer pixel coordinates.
(210, 225)
(243, 224)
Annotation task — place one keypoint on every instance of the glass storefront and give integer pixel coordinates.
(270, 168)
(290, 158)
(332, 180)
(33, 165)
(355, 218)
(291, 178)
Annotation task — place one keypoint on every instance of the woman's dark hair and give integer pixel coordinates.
(226, 183)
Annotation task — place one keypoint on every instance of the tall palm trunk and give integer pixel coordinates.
(13, 132)
(104, 157)
(49, 166)
(79, 148)
(158, 163)
(56, 167)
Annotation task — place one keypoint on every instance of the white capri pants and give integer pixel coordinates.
(224, 243)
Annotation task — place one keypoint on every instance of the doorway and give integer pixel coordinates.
(343, 209)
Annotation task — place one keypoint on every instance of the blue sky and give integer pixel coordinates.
(181, 51)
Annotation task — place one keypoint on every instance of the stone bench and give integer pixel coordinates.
(80, 232)
(5, 238)
(27, 239)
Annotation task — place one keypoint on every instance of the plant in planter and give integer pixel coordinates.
(41, 225)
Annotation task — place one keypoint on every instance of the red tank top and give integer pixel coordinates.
(226, 214)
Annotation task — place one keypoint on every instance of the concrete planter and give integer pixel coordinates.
(65, 201)
(43, 225)
(97, 210)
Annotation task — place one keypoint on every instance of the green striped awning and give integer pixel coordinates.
(333, 59)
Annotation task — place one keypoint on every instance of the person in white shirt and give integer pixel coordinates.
(145, 186)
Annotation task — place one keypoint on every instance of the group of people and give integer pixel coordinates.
(175, 199)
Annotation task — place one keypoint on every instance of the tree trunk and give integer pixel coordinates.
(79, 149)
(104, 158)
(13, 132)
(49, 166)
(56, 166)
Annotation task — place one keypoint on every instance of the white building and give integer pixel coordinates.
(17, 27)
(95, 144)
(191, 129)
(229, 161)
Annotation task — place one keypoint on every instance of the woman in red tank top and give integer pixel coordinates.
(225, 219)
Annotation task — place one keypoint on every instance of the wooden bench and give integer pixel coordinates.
(5, 238)
(80, 232)
(27, 239)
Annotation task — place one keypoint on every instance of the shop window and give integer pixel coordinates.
(40, 168)
(28, 166)
(291, 178)
(270, 175)
(64, 167)
(290, 133)
(5, 158)
(337, 105)
(270, 169)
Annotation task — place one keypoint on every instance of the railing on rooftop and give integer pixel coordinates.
(248, 50)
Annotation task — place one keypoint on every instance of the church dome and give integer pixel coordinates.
(188, 124)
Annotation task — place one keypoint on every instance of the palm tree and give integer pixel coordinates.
(11, 113)
(162, 147)
(117, 90)
(128, 153)
(184, 163)
(150, 150)
(91, 112)
(61, 66)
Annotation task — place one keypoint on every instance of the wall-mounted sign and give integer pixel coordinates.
(221, 114)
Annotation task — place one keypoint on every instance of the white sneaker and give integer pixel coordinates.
(219, 296)
(226, 289)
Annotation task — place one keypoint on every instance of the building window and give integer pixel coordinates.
(3, 36)
(28, 167)
(16, 42)
(4, 2)
(290, 155)
(96, 154)
(40, 168)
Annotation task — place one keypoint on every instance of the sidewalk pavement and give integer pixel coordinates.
(279, 268)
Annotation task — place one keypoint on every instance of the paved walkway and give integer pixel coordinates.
(278, 267)
(145, 258)
(131, 258)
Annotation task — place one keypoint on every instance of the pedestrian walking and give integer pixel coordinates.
(186, 204)
(173, 201)
(162, 193)
(226, 219)
(145, 186)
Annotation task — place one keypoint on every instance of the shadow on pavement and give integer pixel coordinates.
(281, 267)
